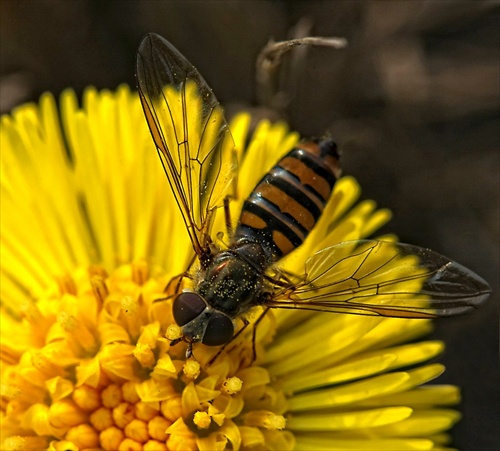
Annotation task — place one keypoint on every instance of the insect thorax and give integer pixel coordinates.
(233, 282)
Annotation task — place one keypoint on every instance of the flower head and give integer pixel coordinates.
(91, 242)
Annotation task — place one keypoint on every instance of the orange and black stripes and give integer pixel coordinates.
(287, 202)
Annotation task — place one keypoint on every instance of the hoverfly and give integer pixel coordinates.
(365, 277)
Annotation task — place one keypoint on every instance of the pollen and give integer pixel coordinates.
(232, 385)
(265, 419)
(173, 332)
(202, 420)
(191, 369)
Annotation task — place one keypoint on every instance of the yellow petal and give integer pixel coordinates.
(251, 436)
(118, 360)
(349, 393)
(88, 372)
(310, 443)
(422, 423)
(152, 390)
(429, 395)
(348, 420)
(355, 369)
(59, 388)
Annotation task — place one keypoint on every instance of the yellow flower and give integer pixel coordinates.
(91, 236)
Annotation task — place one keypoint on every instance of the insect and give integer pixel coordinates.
(197, 151)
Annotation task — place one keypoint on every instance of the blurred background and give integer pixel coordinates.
(413, 103)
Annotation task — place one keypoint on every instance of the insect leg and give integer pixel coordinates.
(227, 217)
(254, 333)
(283, 278)
(179, 278)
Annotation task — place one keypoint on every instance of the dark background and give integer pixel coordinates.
(413, 103)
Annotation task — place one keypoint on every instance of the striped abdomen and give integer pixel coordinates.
(287, 202)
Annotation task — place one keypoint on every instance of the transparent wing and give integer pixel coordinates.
(379, 278)
(191, 135)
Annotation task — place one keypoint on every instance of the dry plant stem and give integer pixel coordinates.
(270, 57)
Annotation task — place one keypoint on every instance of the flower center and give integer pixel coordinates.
(106, 376)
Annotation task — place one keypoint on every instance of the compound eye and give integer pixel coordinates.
(219, 331)
(187, 306)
